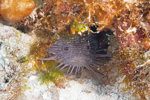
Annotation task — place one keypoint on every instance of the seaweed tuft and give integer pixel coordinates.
(49, 73)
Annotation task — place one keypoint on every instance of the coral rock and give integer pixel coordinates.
(15, 10)
(148, 17)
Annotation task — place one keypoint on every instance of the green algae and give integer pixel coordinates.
(49, 73)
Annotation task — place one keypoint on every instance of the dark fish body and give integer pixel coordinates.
(78, 53)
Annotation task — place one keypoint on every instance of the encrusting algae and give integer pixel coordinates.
(56, 15)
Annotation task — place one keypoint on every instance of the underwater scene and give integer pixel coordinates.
(74, 49)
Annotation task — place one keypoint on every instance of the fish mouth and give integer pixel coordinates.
(79, 60)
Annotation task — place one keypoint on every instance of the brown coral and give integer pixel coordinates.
(55, 15)
(15, 10)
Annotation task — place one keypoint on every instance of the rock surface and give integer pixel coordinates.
(88, 89)
(15, 45)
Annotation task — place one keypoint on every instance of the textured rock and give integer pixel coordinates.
(13, 46)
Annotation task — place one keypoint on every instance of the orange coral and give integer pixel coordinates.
(15, 10)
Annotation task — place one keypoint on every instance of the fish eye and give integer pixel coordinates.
(88, 47)
(66, 48)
